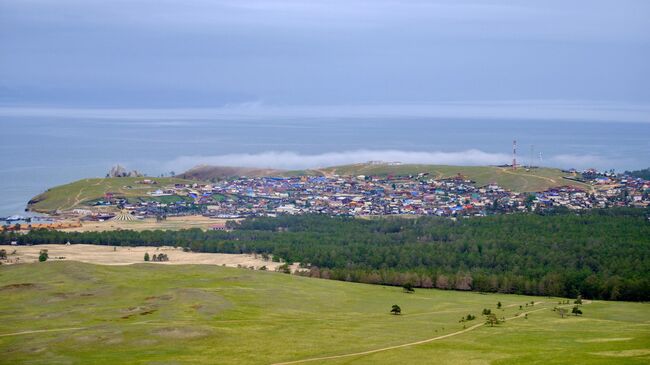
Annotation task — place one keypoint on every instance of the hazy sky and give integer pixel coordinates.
(210, 54)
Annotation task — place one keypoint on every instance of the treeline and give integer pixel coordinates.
(643, 174)
(601, 254)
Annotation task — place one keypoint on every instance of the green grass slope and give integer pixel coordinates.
(209, 173)
(77, 193)
(537, 179)
(520, 180)
(73, 313)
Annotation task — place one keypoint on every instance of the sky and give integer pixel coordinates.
(158, 85)
(482, 58)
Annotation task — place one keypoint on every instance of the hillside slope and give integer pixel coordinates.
(74, 194)
(520, 180)
(66, 312)
(208, 173)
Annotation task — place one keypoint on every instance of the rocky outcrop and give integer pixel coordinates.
(120, 171)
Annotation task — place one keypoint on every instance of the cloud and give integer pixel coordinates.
(472, 157)
(294, 160)
(511, 110)
(588, 161)
(506, 19)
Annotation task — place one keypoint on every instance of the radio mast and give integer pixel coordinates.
(514, 154)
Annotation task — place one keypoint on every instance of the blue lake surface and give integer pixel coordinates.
(38, 153)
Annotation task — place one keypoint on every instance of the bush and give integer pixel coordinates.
(43, 256)
(396, 309)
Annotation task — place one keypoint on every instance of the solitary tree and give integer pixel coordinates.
(146, 256)
(486, 311)
(576, 311)
(396, 309)
(408, 288)
(43, 256)
(499, 305)
(562, 312)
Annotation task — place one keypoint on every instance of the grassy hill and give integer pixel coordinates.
(77, 193)
(536, 179)
(73, 313)
(520, 180)
(208, 173)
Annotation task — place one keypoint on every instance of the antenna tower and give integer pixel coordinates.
(514, 154)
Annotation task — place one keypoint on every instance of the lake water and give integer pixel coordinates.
(38, 153)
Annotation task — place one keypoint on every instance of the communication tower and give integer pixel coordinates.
(514, 154)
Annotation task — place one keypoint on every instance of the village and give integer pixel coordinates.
(375, 196)
(414, 195)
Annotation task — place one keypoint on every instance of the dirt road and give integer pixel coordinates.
(478, 325)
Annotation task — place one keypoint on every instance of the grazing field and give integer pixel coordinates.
(76, 313)
(118, 255)
(537, 179)
(171, 223)
(73, 195)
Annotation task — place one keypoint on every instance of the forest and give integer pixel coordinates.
(643, 174)
(600, 254)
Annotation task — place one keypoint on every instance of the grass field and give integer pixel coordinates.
(121, 255)
(74, 313)
(520, 180)
(169, 224)
(73, 195)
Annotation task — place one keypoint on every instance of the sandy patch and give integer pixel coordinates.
(613, 339)
(171, 223)
(522, 305)
(181, 333)
(624, 353)
(120, 255)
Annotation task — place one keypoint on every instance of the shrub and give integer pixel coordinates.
(43, 256)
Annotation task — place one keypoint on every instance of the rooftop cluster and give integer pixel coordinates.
(375, 196)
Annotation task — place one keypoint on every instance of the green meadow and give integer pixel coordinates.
(81, 192)
(74, 313)
(520, 180)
